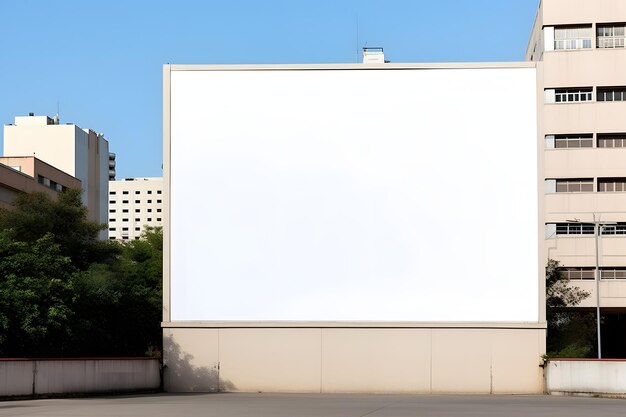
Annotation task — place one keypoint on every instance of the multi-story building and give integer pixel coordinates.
(134, 203)
(28, 174)
(579, 48)
(81, 153)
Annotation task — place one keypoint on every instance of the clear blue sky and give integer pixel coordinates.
(103, 60)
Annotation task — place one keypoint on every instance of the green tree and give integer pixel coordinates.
(36, 297)
(35, 215)
(571, 332)
(128, 295)
(65, 292)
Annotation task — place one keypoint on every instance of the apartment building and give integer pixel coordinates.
(134, 203)
(28, 174)
(579, 47)
(81, 153)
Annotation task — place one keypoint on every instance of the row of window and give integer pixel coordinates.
(124, 229)
(136, 210)
(136, 201)
(610, 35)
(123, 237)
(586, 229)
(136, 192)
(604, 140)
(149, 219)
(584, 94)
(585, 185)
(579, 273)
(47, 182)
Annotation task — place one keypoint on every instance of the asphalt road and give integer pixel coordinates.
(295, 405)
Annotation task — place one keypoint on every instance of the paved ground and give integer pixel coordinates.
(296, 405)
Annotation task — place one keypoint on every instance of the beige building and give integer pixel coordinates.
(81, 153)
(579, 48)
(28, 174)
(134, 203)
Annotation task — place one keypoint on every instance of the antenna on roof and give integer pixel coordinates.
(57, 118)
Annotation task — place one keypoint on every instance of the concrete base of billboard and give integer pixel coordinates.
(339, 359)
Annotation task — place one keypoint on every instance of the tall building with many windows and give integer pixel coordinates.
(134, 203)
(579, 48)
(81, 153)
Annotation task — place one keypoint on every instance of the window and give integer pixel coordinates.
(574, 185)
(136, 237)
(125, 237)
(124, 229)
(611, 185)
(571, 95)
(137, 201)
(149, 219)
(158, 201)
(111, 192)
(579, 273)
(149, 210)
(158, 210)
(149, 201)
(137, 210)
(111, 220)
(112, 211)
(111, 201)
(137, 229)
(124, 210)
(617, 140)
(613, 229)
(137, 192)
(613, 273)
(611, 36)
(159, 192)
(149, 192)
(573, 141)
(137, 219)
(111, 238)
(611, 93)
(572, 37)
(574, 229)
(112, 229)
(158, 219)
(125, 202)
(124, 192)
(124, 220)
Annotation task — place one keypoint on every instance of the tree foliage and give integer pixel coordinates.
(571, 332)
(65, 292)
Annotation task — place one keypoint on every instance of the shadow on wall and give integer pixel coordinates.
(180, 375)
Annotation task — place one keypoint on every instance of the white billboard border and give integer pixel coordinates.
(168, 323)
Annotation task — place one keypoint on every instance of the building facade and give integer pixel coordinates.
(579, 48)
(134, 203)
(28, 174)
(81, 153)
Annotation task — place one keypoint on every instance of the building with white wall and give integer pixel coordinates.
(81, 153)
(134, 203)
(579, 49)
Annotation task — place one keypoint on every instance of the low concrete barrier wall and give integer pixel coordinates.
(606, 377)
(39, 377)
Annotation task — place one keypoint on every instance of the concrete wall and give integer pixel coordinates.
(591, 377)
(351, 359)
(23, 377)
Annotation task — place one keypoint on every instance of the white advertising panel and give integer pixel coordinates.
(354, 195)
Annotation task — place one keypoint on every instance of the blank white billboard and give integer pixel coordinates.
(358, 194)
